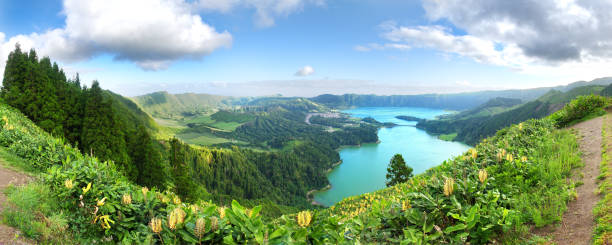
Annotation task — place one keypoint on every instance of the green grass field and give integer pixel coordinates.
(207, 119)
(201, 139)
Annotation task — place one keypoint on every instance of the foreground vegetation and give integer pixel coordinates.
(602, 234)
(493, 192)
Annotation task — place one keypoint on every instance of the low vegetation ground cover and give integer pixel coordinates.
(602, 234)
(493, 192)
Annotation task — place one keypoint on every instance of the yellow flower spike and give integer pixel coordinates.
(86, 189)
(221, 212)
(172, 220)
(509, 157)
(145, 190)
(304, 218)
(474, 153)
(482, 175)
(214, 224)
(200, 227)
(101, 202)
(156, 225)
(194, 208)
(523, 159)
(449, 186)
(176, 200)
(499, 156)
(68, 183)
(126, 199)
(406, 205)
(520, 126)
(104, 221)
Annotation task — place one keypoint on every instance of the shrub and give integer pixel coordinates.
(579, 108)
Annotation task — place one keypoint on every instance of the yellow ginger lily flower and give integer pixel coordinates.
(176, 200)
(156, 225)
(177, 216)
(104, 221)
(68, 183)
(126, 199)
(86, 189)
(406, 205)
(200, 227)
(474, 153)
(523, 159)
(303, 218)
(510, 158)
(101, 202)
(214, 223)
(145, 190)
(482, 175)
(449, 186)
(221, 212)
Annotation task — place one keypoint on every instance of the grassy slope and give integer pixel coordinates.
(602, 234)
(165, 105)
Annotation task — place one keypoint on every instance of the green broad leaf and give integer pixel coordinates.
(209, 210)
(256, 211)
(454, 228)
(228, 240)
(278, 233)
(427, 227)
(456, 216)
(472, 213)
(236, 207)
(187, 236)
(455, 202)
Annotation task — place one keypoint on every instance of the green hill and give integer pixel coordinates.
(165, 105)
(476, 124)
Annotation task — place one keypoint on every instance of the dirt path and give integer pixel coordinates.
(7, 177)
(577, 224)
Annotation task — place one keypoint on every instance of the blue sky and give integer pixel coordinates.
(258, 46)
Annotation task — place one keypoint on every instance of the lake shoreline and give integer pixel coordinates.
(368, 161)
(310, 193)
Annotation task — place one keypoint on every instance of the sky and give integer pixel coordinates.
(311, 47)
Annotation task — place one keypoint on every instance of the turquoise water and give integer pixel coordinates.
(363, 168)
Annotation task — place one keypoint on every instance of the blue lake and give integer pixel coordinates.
(363, 168)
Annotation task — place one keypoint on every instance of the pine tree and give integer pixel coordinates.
(183, 182)
(398, 171)
(147, 159)
(102, 133)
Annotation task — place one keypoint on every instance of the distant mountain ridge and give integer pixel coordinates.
(459, 101)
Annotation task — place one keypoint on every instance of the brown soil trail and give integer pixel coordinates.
(8, 177)
(577, 224)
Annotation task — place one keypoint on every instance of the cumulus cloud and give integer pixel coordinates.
(305, 71)
(540, 37)
(548, 30)
(265, 10)
(150, 33)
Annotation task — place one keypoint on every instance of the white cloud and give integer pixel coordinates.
(386, 46)
(266, 11)
(566, 40)
(150, 33)
(305, 71)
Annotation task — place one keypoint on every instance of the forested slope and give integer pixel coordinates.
(472, 126)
